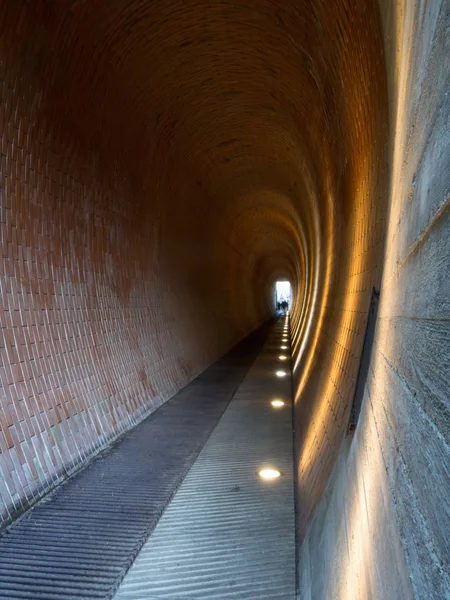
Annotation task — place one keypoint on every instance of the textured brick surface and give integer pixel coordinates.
(106, 309)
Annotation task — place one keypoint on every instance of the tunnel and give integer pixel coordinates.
(163, 165)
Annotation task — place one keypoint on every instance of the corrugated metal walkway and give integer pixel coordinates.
(80, 542)
(227, 534)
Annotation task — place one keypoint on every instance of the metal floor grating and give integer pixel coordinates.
(227, 535)
(79, 543)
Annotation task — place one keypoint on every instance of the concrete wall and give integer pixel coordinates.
(381, 528)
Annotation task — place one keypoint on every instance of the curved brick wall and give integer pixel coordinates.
(135, 165)
(163, 163)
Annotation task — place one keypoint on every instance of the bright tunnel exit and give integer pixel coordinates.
(283, 293)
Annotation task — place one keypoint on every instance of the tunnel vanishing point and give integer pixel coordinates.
(163, 164)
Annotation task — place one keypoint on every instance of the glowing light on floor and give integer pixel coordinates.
(282, 357)
(283, 347)
(269, 474)
(277, 403)
(281, 373)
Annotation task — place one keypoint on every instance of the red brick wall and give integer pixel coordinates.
(107, 302)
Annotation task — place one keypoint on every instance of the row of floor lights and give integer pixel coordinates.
(285, 341)
(269, 473)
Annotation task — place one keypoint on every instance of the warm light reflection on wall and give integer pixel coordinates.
(315, 313)
(366, 503)
(368, 499)
(327, 398)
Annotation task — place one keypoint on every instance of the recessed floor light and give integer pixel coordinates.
(269, 474)
(282, 357)
(277, 403)
(283, 347)
(281, 373)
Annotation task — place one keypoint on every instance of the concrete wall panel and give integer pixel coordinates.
(380, 528)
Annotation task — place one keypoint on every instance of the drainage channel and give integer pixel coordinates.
(79, 542)
(229, 531)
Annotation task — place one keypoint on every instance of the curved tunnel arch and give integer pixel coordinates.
(182, 156)
(240, 141)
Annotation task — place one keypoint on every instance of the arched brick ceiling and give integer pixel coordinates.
(252, 137)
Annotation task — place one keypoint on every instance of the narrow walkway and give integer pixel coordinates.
(227, 534)
(79, 543)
